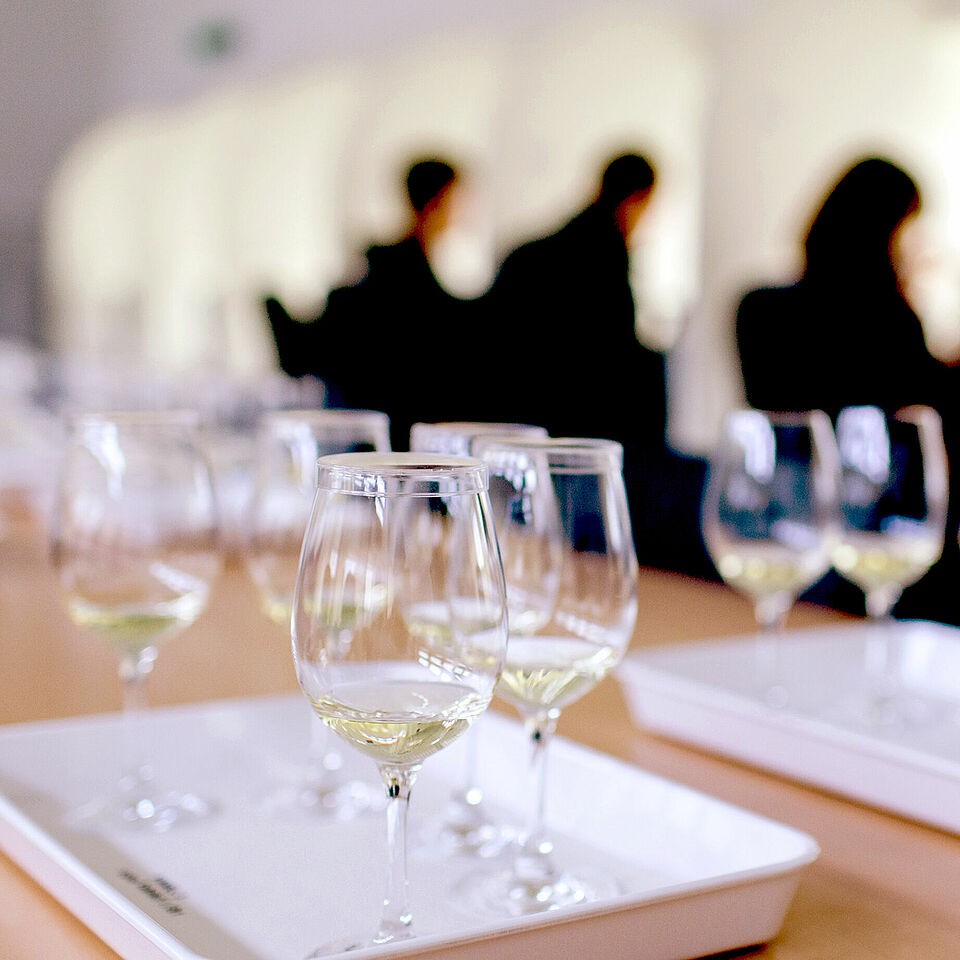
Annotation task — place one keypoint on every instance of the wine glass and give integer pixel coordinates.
(289, 443)
(572, 597)
(893, 512)
(135, 546)
(405, 530)
(467, 826)
(768, 516)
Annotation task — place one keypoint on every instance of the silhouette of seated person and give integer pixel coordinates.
(564, 313)
(388, 341)
(844, 334)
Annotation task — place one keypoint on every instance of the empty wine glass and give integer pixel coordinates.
(403, 530)
(467, 825)
(135, 546)
(768, 517)
(572, 597)
(289, 443)
(893, 511)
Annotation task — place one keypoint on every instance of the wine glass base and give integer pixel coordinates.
(156, 812)
(506, 894)
(468, 831)
(775, 696)
(889, 713)
(342, 802)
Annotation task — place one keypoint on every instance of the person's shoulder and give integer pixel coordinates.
(763, 305)
(531, 248)
(771, 296)
(378, 254)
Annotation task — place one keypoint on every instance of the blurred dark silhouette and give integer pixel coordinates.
(844, 334)
(565, 312)
(562, 315)
(377, 342)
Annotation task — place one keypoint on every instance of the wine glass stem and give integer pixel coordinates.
(879, 665)
(535, 848)
(880, 603)
(471, 789)
(323, 758)
(134, 670)
(396, 921)
(772, 618)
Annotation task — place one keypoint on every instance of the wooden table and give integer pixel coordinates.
(883, 888)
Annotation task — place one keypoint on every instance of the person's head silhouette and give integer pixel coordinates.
(625, 188)
(430, 187)
(853, 231)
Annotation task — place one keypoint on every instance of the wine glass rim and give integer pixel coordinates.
(915, 413)
(183, 417)
(587, 444)
(400, 474)
(473, 427)
(780, 418)
(580, 454)
(326, 417)
(457, 437)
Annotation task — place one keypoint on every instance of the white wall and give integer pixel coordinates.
(55, 66)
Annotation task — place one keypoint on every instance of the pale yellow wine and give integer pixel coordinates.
(334, 614)
(131, 627)
(278, 607)
(476, 642)
(879, 560)
(761, 569)
(430, 621)
(551, 672)
(399, 721)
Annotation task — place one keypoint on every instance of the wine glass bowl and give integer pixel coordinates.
(893, 500)
(391, 535)
(289, 443)
(136, 550)
(768, 517)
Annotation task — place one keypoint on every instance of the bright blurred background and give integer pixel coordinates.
(163, 165)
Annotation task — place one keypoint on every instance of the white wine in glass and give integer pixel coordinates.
(136, 549)
(289, 443)
(416, 530)
(467, 826)
(768, 519)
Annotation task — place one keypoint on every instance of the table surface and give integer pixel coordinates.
(884, 888)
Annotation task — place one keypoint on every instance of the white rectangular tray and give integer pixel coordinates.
(698, 875)
(707, 693)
